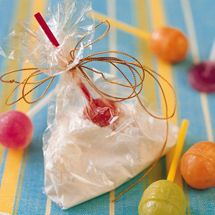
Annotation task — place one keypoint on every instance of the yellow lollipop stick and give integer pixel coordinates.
(120, 25)
(178, 149)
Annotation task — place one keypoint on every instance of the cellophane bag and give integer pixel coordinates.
(84, 158)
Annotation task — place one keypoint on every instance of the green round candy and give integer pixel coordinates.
(163, 198)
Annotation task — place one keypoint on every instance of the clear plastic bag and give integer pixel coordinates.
(84, 160)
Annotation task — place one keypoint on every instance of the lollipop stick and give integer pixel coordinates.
(85, 91)
(120, 25)
(42, 103)
(178, 149)
(211, 58)
(46, 29)
(212, 53)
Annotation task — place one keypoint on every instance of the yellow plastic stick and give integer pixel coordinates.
(122, 26)
(178, 149)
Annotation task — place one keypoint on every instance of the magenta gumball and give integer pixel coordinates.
(16, 130)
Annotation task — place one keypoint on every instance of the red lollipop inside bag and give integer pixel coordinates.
(102, 112)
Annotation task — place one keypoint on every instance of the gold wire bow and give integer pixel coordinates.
(136, 70)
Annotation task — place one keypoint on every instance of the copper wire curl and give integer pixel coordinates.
(137, 70)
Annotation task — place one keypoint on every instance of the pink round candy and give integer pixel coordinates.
(16, 129)
(202, 77)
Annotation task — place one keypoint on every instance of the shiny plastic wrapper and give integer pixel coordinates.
(83, 160)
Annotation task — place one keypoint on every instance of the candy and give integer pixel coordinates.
(16, 129)
(198, 165)
(163, 198)
(102, 112)
(169, 44)
(202, 77)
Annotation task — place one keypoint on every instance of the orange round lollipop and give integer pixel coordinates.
(198, 165)
(169, 44)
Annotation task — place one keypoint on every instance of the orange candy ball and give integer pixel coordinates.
(198, 165)
(169, 44)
